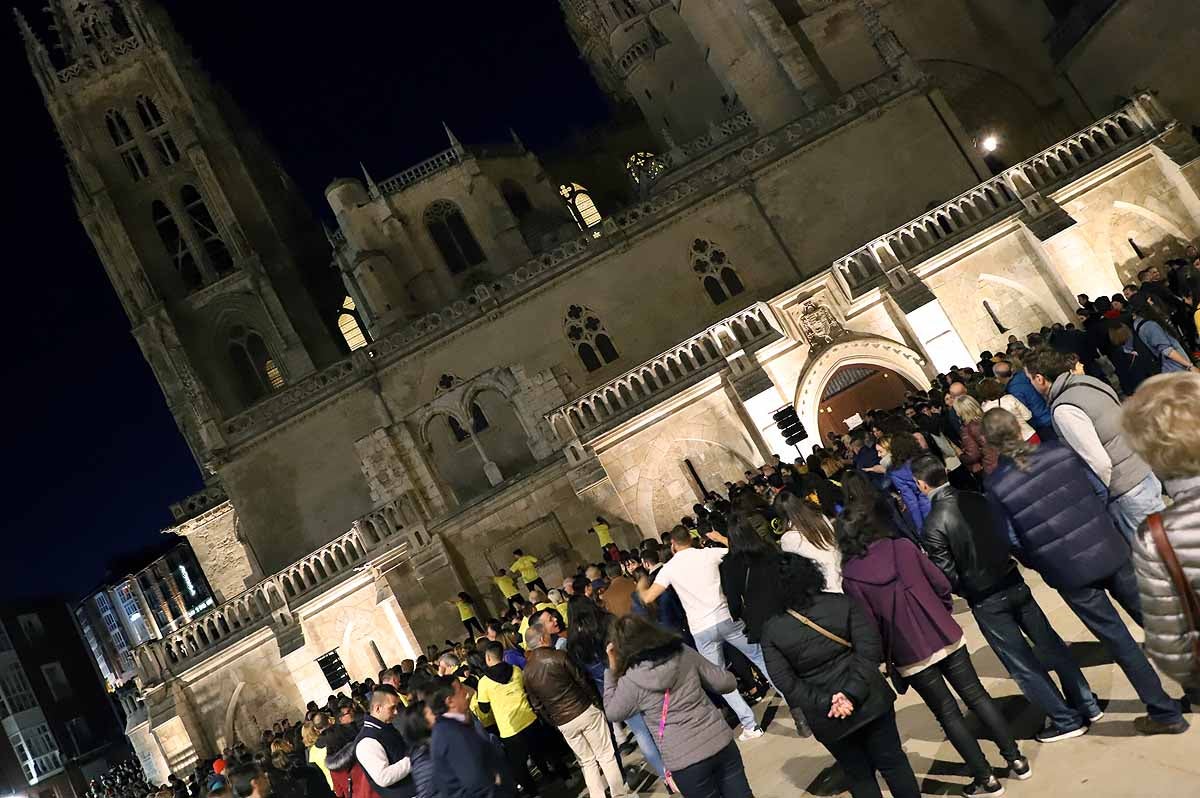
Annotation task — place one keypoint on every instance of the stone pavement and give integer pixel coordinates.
(1111, 761)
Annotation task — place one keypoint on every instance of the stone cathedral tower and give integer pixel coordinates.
(201, 233)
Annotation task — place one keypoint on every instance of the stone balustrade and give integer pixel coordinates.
(390, 531)
(664, 375)
(983, 205)
(419, 171)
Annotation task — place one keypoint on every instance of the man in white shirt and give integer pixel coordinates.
(381, 750)
(695, 575)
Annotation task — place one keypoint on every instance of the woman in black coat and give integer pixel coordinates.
(838, 686)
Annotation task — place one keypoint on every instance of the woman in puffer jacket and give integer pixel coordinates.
(1162, 424)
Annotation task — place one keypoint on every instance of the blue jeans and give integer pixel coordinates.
(1093, 606)
(708, 643)
(645, 740)
(1009, 617)
(1131, 508)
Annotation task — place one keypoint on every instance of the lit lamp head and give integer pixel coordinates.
(989, 143)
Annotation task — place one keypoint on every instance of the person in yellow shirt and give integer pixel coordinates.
(508, 588)
(537, 602)
(526, 566)
(502, 692)
(466, 613)
(603, 532)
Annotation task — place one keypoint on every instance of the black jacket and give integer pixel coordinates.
(968, 544)
(751, 589)
(809, 668)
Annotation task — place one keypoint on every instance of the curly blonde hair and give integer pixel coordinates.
(1162, 424)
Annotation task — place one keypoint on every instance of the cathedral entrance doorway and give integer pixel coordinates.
(852, 373)
(855, 389)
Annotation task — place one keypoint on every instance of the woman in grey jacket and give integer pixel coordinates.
(652, 672)
(1162, 424)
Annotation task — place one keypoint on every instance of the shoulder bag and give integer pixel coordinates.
(1187, 595)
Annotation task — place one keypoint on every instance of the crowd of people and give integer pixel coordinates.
(1074, 454)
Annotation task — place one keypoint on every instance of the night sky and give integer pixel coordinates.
(93, 458)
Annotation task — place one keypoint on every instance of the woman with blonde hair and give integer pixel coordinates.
(977, 456)
(1162, 424)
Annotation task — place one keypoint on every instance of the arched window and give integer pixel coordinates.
(181, 257)
(457, 430)
(118, 128)
(516, 199)
(257, 374)
(206, 230)
(583, 210)
(587, 334)
(717, 275)
(122, 139)
(156, 128)
(644, 167)
(714, 289)
(349, 324)
(453, 238)
(479, 421)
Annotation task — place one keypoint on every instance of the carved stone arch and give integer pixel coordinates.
(870, 351)
(1158, 237)
(429, 413)
(1045, 315)
(661, 461)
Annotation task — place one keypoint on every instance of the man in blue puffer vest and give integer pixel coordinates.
(1059, 526)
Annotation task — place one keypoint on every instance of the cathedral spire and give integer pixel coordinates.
(517, 140)
(455, 144)
(372, 187)
(39, 59)
(886, 43)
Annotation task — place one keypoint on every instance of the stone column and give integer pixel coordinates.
(924, 320)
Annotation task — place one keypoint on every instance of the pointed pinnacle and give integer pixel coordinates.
(517, 140)
(455, 144)
(372, 188)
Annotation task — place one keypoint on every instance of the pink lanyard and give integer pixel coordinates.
(662, 723)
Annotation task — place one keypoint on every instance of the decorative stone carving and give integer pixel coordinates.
(819, 326)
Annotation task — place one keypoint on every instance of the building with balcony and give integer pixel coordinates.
(60, 726)
(143, 597)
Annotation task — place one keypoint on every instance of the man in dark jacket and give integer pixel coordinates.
(565, 698)
(1058, 525)
(381, 750)
(964, 540)
(467, 762)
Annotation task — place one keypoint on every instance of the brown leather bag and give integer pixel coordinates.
(1183, 588)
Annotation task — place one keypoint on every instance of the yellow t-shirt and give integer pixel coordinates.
(562, 610)
(317, 757)
(465, 610)
(507, 586)
(508, 702)
(604, 534)
(486, 718)
(525, 566)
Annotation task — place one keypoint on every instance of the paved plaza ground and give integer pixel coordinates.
(1111, 761)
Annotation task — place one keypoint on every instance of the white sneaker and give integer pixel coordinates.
(750, 734)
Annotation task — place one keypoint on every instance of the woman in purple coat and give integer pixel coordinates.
(908, 600)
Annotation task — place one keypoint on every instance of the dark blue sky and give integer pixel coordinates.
(93, 457)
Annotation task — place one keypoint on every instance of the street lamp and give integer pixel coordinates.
(990, 143)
